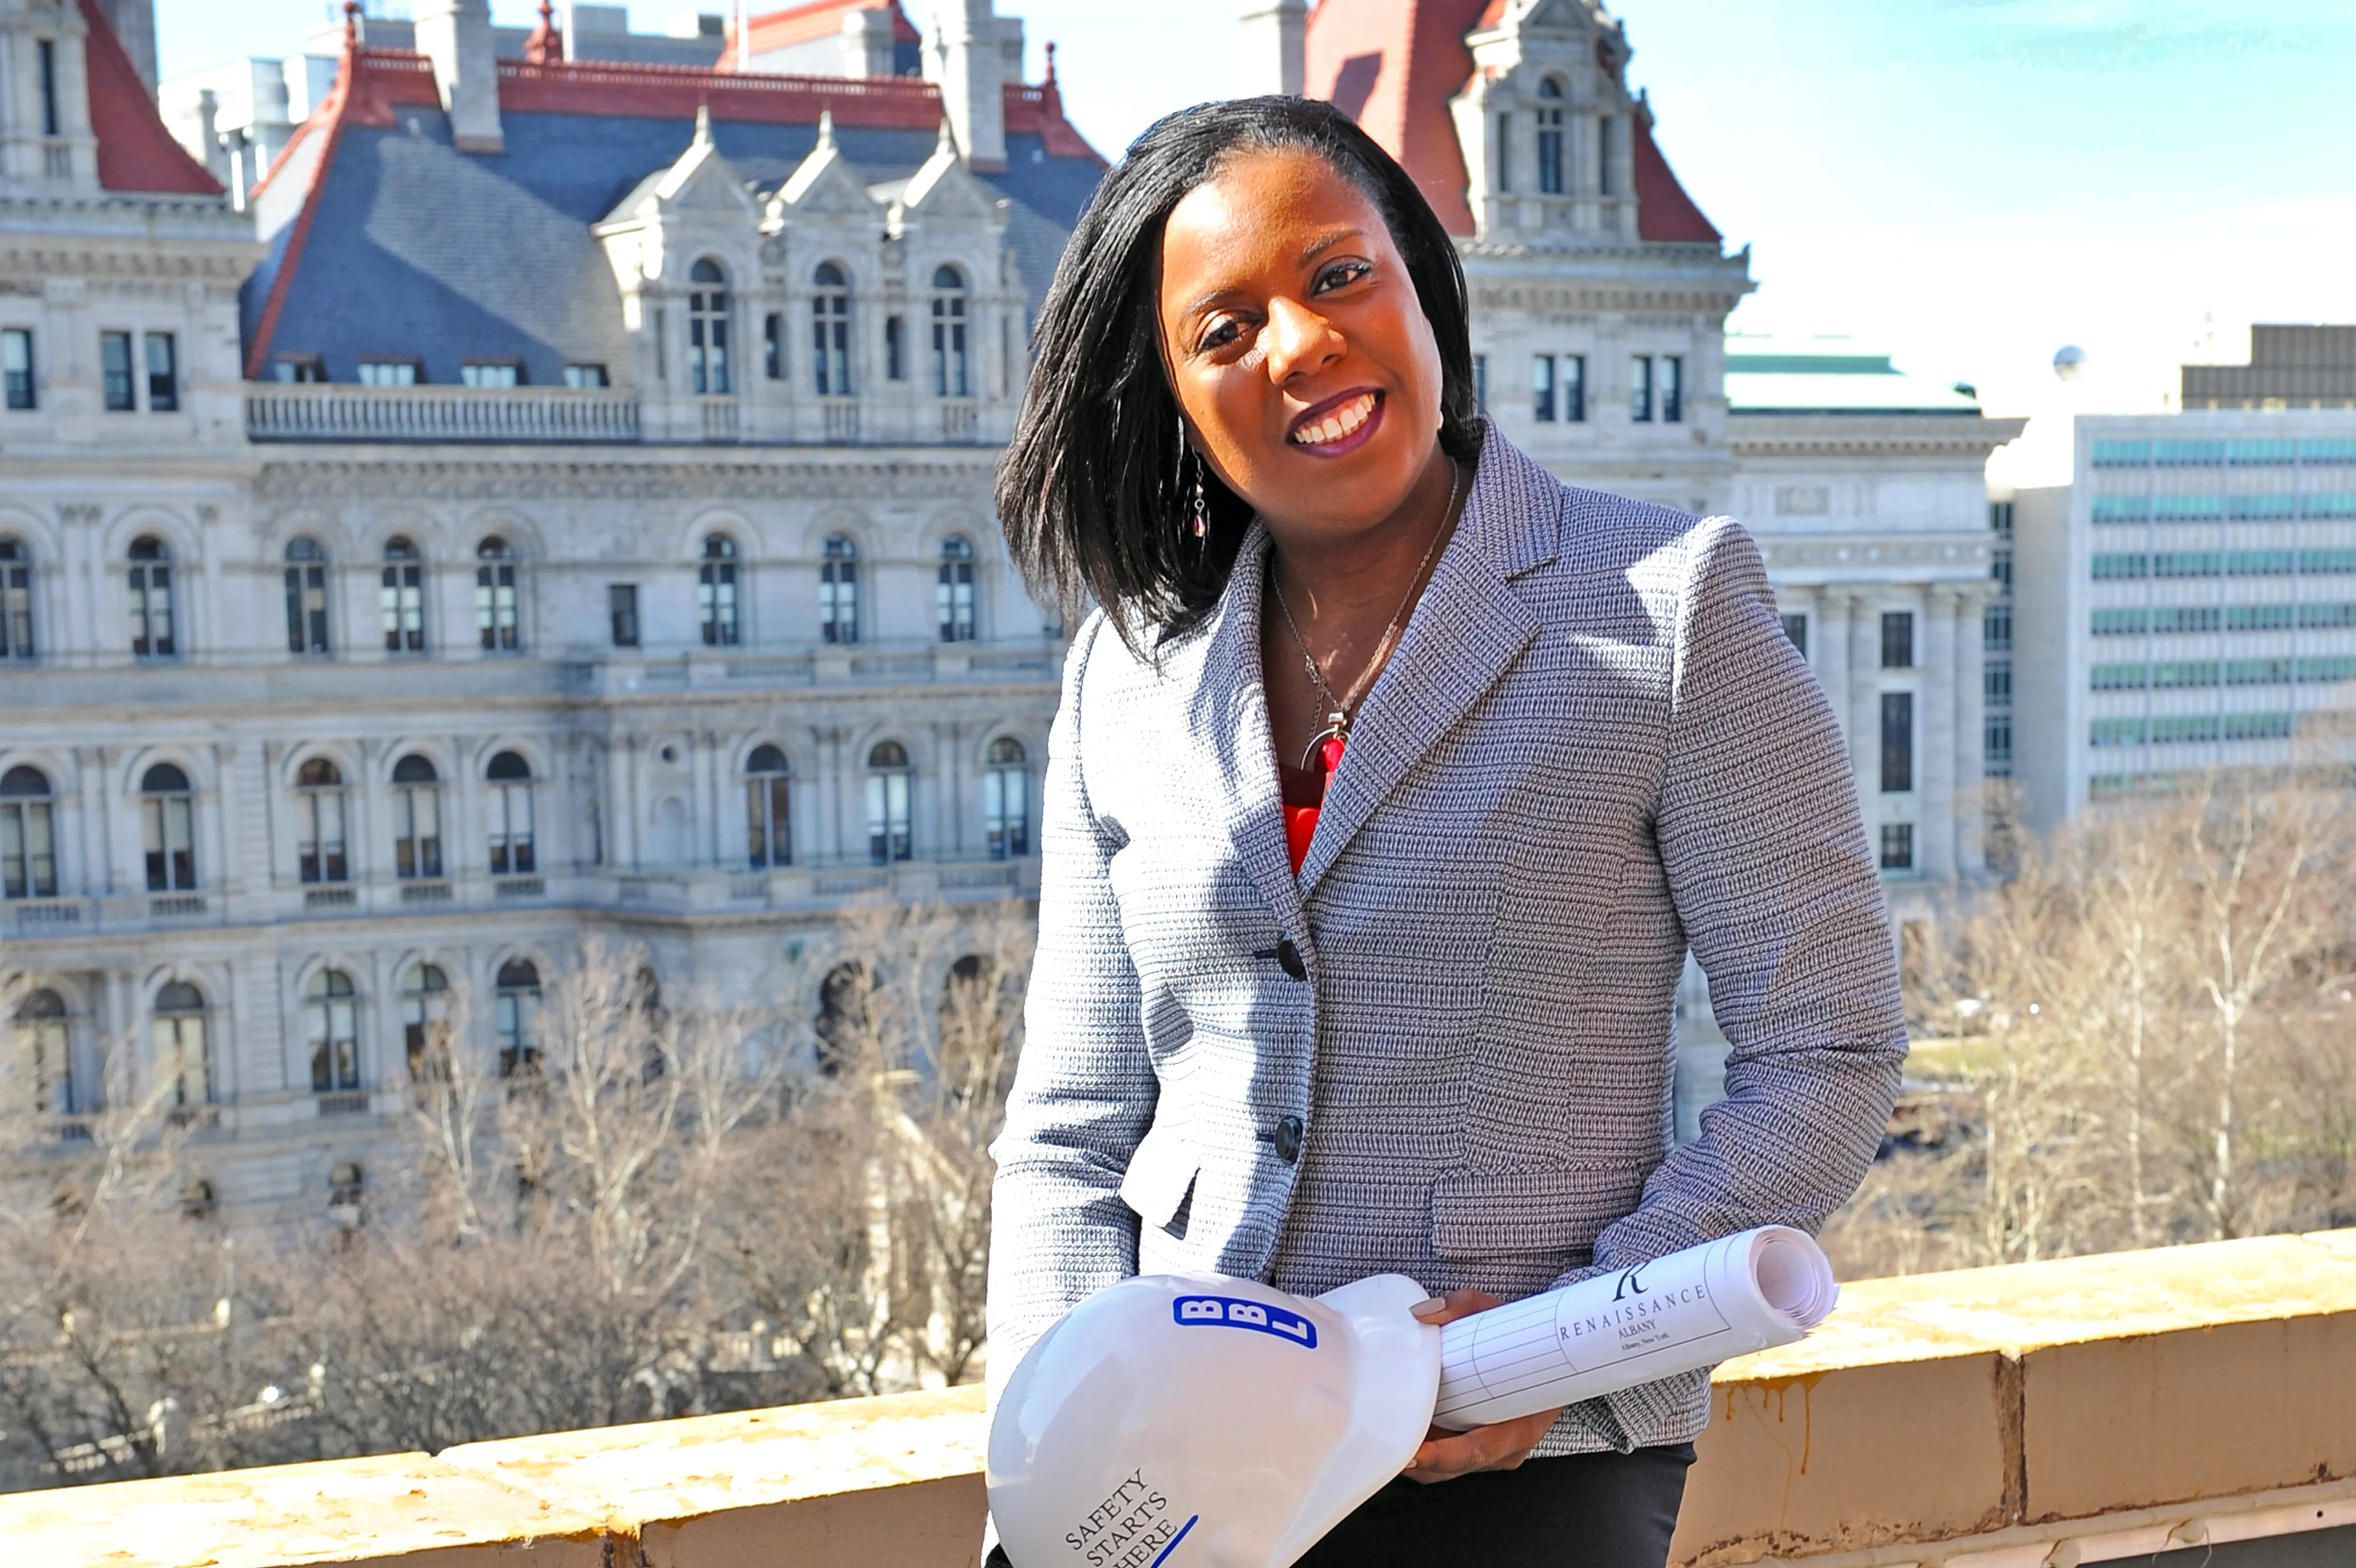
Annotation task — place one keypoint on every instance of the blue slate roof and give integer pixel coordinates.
(417, 250)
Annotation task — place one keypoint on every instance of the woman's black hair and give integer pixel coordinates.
(1096, 503)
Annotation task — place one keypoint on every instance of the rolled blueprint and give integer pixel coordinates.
(1690, 1309)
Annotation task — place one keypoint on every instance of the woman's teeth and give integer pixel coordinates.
(1342, 422)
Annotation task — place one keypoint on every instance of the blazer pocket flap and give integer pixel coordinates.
(1557, 1208)
(1160, 1173)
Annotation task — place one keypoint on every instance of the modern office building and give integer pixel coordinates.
(2188, 603)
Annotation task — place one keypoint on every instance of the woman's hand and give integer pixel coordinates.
(1446, 1455)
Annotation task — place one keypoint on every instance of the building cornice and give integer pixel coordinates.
(127, 256)
(141, 220)
(1865, 556)
(1757, 436)
(687, 473)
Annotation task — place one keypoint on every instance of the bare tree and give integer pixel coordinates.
(656, 1203)
(2142, 1037)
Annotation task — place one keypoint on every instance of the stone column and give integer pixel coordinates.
(466, 840)
(218, 797)
(702, 846)
(1865, 699)
(1828, 650)
(826, 836)
(1936, 727)
(620, 838)
(1971, 733)
(363, 799)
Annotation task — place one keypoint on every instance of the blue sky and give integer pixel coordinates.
(1969, 183)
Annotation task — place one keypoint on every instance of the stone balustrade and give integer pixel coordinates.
(322, 411)
(2043, 1415)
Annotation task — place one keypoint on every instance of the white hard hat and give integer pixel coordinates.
(1208, 1421)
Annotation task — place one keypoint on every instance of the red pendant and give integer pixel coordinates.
(1329, 752)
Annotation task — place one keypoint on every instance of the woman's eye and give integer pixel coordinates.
(1340, 274)
(1218, 335)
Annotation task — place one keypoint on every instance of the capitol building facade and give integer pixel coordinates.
(553, 502)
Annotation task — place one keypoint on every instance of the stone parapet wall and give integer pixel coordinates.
(2085, 1411)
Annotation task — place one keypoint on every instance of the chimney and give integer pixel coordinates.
(210, 153)
(867, 42)
(455, 35)
(965, 53)
(133, 22)
(1273, 34)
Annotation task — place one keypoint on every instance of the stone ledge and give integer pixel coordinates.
(2083, 1411)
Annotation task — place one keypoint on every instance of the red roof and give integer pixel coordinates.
(1663, 211)
(803, 24)
(134, 151)
(1395, 64)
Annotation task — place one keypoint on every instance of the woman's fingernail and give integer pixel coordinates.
(1429, 1305)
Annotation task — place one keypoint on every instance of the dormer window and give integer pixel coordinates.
(16, 366)
(707, 328)
(304, 368)
(389, 374)
(830, 332)
(949, 374)
(48, 50)
(1550, 137)
(491, 374)
(580, 377)
(114, 365)
(163, 355)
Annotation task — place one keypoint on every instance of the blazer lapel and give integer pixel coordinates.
(1465, 632)
(1228, 717)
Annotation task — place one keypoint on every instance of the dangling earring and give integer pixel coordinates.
(1202, 523)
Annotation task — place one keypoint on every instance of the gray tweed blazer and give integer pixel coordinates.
(1445, 1049)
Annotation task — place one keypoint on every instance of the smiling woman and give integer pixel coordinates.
(1095, 472)
(1361, 919)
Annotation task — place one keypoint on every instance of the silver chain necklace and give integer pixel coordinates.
(1339, 710)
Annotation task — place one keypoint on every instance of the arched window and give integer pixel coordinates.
(43, 1051)
(715, 591)
(151, 599)
(416, 819)
(1006, 800)
(887, 803)
(842, 1016)
(515, 1013)
(331, 1023)
(306, 598)
(28, 839)
(1550, 115)
(15, 600)
(949, 375)
(183, 1054)
(319, 822)
(197, 1199)
(830, 332)
(402, 597)
(167, 825)
(837, 591)
(424, 993)
(768, 809)
(707, 327)
(495, 595)
(954, 598)
(968, 1018)
(510, 814)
